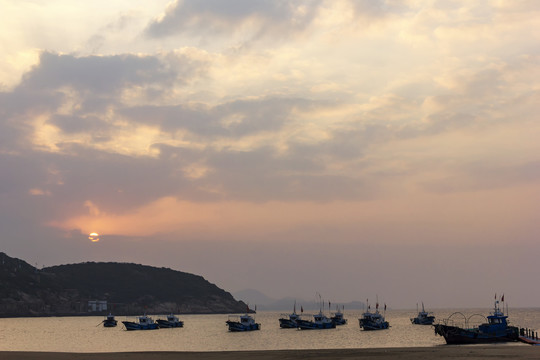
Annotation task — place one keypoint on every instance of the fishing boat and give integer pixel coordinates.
(373, 320)
(320, 321)
(495, 329)
(172, 321)
(143, 323)
(423, 317)
(110, 321)
(242, 323)
(338, 318)
(289, 321)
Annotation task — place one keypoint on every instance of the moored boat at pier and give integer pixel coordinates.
(496, 329)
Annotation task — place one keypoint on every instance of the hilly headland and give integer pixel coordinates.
(94, 288)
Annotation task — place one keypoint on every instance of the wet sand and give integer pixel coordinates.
(437, 352)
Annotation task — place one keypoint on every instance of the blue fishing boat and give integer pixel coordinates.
(110, 321)
(289, 321)
(373, 320)
(338, 318)
(172, 321)
(320, 321)
(143, 323)
(242, 323)
(495, 329)
(423, 317)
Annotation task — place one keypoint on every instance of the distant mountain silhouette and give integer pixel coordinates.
(254, 297)
(127, 289)
(263, 302)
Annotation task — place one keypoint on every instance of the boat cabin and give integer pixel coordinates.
(496, 320)
(145, 320)
(246, 319)
(497, 324)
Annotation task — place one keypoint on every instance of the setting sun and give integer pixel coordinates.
(94, 237)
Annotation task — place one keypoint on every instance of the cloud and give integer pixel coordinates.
(234, 119)
(215, 18)
(76, 124)
(70, 95)
(379, 9)
(102, 75)
(107, 147)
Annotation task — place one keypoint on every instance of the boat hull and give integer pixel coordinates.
(287, 324)
(370, 326)
(424, 321)
(130, 325)
(373, 328)
(311, 325)
(237, 326)
(242, 323)
(339, 321)
(456, 335)
(110, 323)
(170, 324)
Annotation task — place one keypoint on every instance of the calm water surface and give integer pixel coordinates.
(209, 333)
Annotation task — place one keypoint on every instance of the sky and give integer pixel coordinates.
(353, 149)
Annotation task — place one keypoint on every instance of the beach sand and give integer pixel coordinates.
(437, 352)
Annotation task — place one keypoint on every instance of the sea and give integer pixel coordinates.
(209, 333)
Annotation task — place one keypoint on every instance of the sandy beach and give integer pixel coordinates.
(439, 352)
